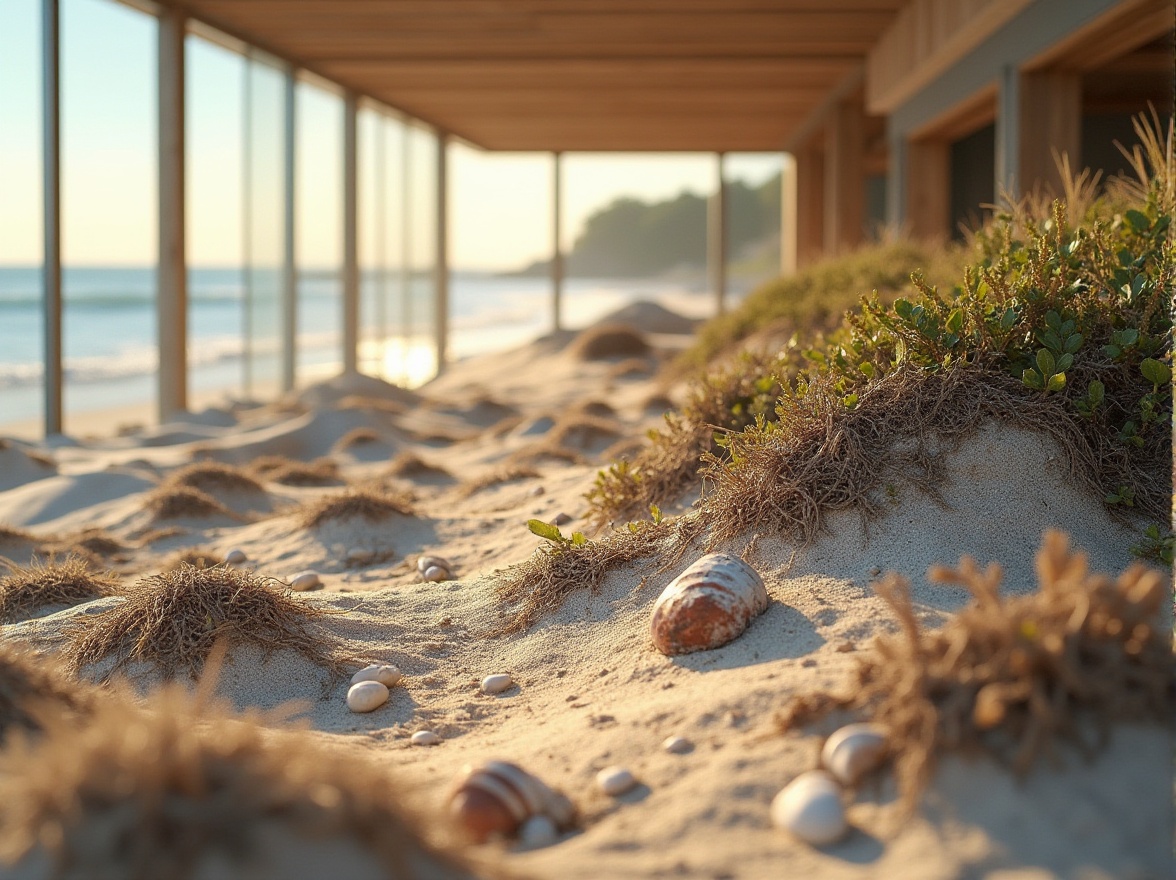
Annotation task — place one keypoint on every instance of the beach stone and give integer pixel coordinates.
(236, 556)
(539, 831)
(496, 684)
(427, 561)
(436, 574)
(305, 580)
(388, 676)
(677, 745)
(615, 781)
(365, 696)
(854, 750)
(359, 554)
(425, 738)
(561, 519)
(810, 808)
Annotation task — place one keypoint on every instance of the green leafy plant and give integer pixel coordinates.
(551, 533)
(1158, 544)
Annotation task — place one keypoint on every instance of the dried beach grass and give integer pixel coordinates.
(94, 542)
(34, 686)
(289, 472)
(372, 506)
(355, 437)
(182, 502)
(193, 556)
(609, 341)
(208, 476)
(409, 464)
(508, 474)
(1014, 677)
(27, 589)
(172, 620)
(192, 789)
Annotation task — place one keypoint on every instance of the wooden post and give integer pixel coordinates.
(788, 231)
(844, 177)
(350, 235)
(1051, 119)
(51, 198)
(716, 237)
(810, 206)
(289, 265)
(928, 196)
(1008, 134)
(172, 302)
(557, 257)
(441, 293)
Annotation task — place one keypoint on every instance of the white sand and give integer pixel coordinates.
(591, 690)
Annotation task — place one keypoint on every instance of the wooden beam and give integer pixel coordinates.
(928, 179)
(925, 40)
(817, 118)
(172, 266)
(441, 290)
(1122, 29)
(289, 291)
(557, 255)
(788, 217)
(1051, 122)
(810, 206)
(350, 234)
(844, 178)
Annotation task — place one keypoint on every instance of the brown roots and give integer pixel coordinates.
(27, 589)
(1014, 677)
(184, 787)
(172, 620)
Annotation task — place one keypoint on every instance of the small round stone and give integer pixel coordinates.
(561, 519)
(235, 556)
(388, 676)
(436, 574)
(810, 808)
(359, 554)
(615, 781)
(305, 580)
(427, 561)
(677, 745)
(425, 738)
(539, 831)
(366, 696)
(496, 684)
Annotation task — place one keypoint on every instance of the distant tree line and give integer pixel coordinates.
(630, 238)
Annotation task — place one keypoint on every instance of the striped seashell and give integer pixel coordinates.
(707, 605)
(495, 799)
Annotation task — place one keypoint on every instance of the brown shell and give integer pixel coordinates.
(495, 799)
(707, 605)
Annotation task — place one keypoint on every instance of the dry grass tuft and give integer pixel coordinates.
(356, 437)
(98, 543)
(288, 472)
(180, 502)
(1013, 677)
(33, 687)
(409, 464)
(27, 589)
(193, 556)
(825, 457)
(541, 585)
(508, 474)
(609, 341)
(172, 620)
(191, 785)
(208, 476)
(370, 505)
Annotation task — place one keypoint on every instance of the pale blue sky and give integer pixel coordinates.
(500, 204)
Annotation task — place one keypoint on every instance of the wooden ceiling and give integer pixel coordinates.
(708, 75)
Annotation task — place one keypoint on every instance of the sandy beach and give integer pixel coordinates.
(505, 438)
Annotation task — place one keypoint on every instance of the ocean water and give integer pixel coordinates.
(109, 330)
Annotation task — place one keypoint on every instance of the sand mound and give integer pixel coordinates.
(650, 317)
(605, 341)
(332, 391)
(18, 466)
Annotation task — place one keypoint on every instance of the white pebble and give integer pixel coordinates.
(425, 738)
(388, 676)
(853, 751)
(366, 696)
(305, 580)
(496, 684)
(359, 554)
(424, 563)
(677, 745)
(539, 831)
(235, 556)
(810, 808)
(436, 574)
(615, 780)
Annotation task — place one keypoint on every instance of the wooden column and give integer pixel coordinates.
(844, 177)
(788, 235)
(810, 206)
(441, 302)
(51, 199)
(289, 264)
(1051, 120)
(1008, 134)
(172, 295)
(350, 234)
(557, 256)
(928, 195)
(716, 237)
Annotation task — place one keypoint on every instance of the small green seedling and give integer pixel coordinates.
(551, 533)
(1125, 495)
(1158, 544)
